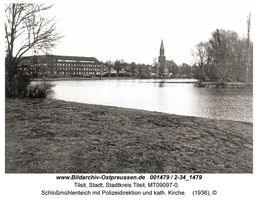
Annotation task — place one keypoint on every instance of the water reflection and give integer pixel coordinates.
(161, 84)
(162, 96)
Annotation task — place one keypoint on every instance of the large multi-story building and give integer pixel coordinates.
(60, 66)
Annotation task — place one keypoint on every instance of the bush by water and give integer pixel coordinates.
(41, 90)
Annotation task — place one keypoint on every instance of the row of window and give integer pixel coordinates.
(75, 61)
(73, 73)
(77, 69)
(63, 69)
(33, 70)
(73, 65)
(60, 73)
(65, 65)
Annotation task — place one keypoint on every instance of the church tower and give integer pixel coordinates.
(162, 60)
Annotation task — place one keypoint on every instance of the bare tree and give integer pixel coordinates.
(221, 54)
(200, 55)
(225, 57)
(27, 30)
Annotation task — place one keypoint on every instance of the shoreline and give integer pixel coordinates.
(109, 78)
(84, 78)
(225, 85)
(193, 81)
(54, 136)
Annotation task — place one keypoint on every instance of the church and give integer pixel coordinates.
(164, 66)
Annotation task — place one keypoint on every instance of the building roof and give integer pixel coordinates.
(162, 45)
(63, 57)
(170, 63)
(59, 58)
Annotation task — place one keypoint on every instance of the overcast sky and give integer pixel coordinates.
(132, 30)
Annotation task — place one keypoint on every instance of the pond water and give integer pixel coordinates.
(169, 96)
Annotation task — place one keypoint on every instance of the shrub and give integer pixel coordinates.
(41, 90)
(18, 86)
(143, 75)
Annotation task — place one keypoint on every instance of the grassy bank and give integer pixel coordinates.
(50, 136)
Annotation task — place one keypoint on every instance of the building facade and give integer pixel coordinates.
(60, 66)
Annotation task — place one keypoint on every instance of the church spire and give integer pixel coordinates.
(162, 60)
(162, 51)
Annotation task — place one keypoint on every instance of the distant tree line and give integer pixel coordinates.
(225, 57)
(122, 68)
(139, 70)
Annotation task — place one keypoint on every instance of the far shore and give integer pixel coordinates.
(53, 136)
(105, 78)
(206, 84)
(83, 78)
